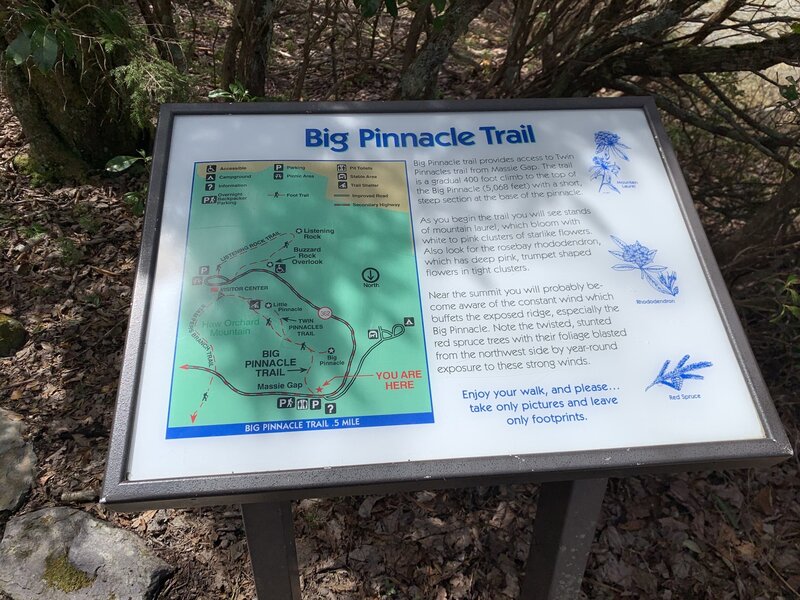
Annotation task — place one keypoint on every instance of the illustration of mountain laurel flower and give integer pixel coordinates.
(636, 257)
(676, 377)
(607, 148)
(605, 171)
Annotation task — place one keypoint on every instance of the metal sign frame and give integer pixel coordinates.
(123, 494)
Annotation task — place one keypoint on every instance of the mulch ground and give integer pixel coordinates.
(67, 263)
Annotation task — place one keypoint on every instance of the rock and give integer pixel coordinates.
(81, 496)
(65, 554)
(12, 335)
(17, 462)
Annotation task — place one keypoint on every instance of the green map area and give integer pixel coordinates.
(300, 306)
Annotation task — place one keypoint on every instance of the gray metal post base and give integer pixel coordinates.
(270, 539)
(566, 518)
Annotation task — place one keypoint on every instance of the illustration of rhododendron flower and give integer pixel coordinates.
(608, 145)
(635, 253)
(637, 257)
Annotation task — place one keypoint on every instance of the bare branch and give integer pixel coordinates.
(715, 20)
(758, 125)
(645, 62)
(692, 118)
(566, 80)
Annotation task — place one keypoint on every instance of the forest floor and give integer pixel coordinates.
(67, 262)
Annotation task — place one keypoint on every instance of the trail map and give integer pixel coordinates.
(300, 305)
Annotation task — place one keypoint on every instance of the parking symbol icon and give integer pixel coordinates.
(285, 402)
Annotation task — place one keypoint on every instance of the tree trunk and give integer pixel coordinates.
(312, 35)
(161, 26)
(507, 76)
(247, 48)
(418, 82)
(71, 114)
(422, 14)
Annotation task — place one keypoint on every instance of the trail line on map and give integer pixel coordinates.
(397, 330)
(283, 246)
(343, 376)
(222, 280)
(337, 393)
(236, 390)
(229, 281)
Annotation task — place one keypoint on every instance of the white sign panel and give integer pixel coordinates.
(345, 288)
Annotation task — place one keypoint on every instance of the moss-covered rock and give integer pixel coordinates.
(62, 554)
(41, 174)
(61, 574)
(12, 336)
(17, 463)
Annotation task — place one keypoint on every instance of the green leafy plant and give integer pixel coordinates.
(87, 221)
(791, 95)
(71, 255)
(92, 300)
(788, 298)
(97, 37)
(31, 231)
(40, 40)
(44, 34)
(148, 82)
(236, 92)
(121, 163)
(134, 200)
(790, 91)
(370, 8)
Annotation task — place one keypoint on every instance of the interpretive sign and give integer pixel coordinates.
(343, 297)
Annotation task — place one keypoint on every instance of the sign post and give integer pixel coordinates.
(270, 540)
(361, 298)
(566, 517)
